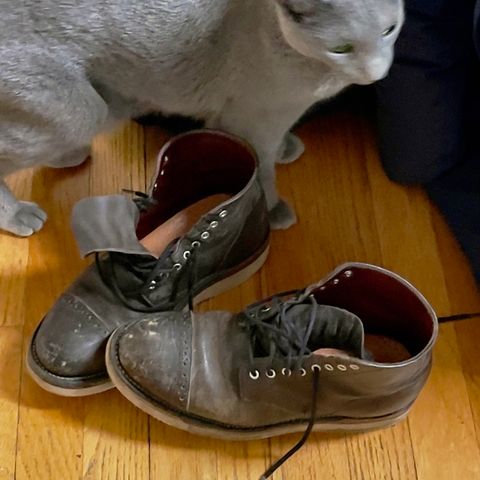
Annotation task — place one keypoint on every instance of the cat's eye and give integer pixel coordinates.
(342, 49)
(388, 31)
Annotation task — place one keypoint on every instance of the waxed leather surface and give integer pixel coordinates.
(200, 367)
(71, 339)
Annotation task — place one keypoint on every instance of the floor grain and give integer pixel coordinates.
(348, 211)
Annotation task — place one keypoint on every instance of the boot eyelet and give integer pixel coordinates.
(177, 266)
(196, 244)
(328, 367)
(186, 254)
(336, 281)
(254, 374)
(271, 373)
(303, 372)
(223, 214)
(265, 308)
(205, 236)
(348, 273)
(286, 372)
(316, 367)
(354, 367)
(342, 368)
(214, 224)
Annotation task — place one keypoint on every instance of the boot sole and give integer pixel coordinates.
(33, 366)
(196, 426)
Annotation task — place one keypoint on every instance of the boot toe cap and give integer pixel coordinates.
(154, 356)
(70, 341)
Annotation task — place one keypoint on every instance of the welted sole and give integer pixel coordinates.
(196, 426)
(62, 391)
(222, 286)
(233, 280)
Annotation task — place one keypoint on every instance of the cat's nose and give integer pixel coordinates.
(376, 69)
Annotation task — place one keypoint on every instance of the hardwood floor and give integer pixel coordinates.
(348, 210)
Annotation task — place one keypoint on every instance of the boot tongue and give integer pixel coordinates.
(107, 223)
(333, 329)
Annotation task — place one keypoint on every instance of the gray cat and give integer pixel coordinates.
(74, 68)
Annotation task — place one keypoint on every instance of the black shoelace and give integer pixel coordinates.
(311, 423)
(458, 317)
(151, 271)
(283, 328)
(141, 199)
(285, 340)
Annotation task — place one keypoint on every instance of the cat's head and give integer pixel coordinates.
(355, 37)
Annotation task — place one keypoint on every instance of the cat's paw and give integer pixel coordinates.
(292, 149)
(282, 216)
(26, 219)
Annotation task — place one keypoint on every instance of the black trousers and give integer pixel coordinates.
(429, 112)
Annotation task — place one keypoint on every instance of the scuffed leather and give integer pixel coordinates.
(71, 344)
(75, 353)
(221, 393)
(141, 356)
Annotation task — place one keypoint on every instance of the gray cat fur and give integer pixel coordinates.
(70, 69)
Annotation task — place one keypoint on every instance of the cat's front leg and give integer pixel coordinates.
(19, 217)
(267, 142)
(281, 214)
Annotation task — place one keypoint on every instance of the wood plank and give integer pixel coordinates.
(13, 265)
(116, 445)
(464, 296)
(333, 194)
(10, 364)
(409, 247)
(347, 210)
(383, 455)
(176, 454)
(115, 439)
(13, 260)
(463, 293)
(50, 428)
(119, 161)
(323, 456)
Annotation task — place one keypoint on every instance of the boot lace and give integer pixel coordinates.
(286, 341)
(152, 272)
(148, 270)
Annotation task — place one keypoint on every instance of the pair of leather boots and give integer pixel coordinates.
(351, 352)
